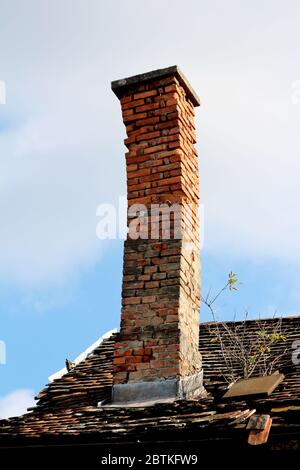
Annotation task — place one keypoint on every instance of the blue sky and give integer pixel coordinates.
(61, 155)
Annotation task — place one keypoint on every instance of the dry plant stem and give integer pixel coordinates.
(254, 356)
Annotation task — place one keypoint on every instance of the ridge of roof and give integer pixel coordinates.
(253, 320)
(83, 355)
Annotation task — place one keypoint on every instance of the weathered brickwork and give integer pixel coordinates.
(159, 333)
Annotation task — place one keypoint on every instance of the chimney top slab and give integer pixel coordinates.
(120, 87)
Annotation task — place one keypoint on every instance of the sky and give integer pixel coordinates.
(62, 154)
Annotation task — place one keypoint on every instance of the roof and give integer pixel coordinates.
(67, 408)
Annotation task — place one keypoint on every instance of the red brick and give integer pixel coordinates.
(131, 301)
(150, 120)
(144, 94)
(132, 104)
(127, 112)
(133, 359)
(147, 136)
(151, 285)
(131, 168)
(134, 117)
(155, 149)
(147, 107)
(119, 360)
(125, 99)
(150, 269)
(122, 352)
(148, 299)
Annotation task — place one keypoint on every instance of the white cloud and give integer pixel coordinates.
(16, 403)
(61, 151)
(251, 169)
(2, 92)
(54, 174)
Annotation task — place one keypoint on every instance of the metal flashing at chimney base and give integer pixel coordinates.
(156, 390)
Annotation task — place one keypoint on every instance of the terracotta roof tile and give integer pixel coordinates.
(67, 407)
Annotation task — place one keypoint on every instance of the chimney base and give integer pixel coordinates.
(158, 390)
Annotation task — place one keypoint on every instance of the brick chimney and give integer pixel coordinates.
(156, 356)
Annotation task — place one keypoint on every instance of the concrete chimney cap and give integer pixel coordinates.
(119, 87)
